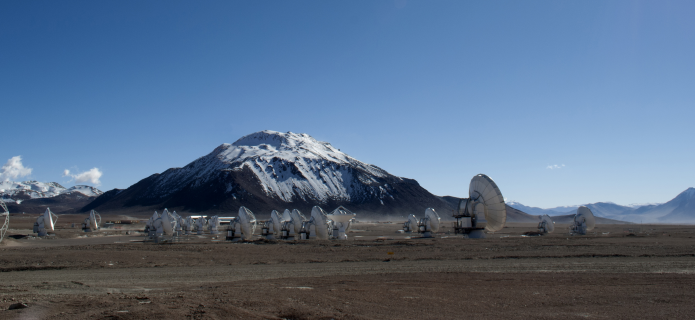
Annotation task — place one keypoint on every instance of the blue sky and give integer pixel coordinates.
(437, 91)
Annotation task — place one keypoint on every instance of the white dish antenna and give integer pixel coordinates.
(214, 224)
(341, 222)
(483, 210)
(276, 221)
(411, 224)
(296, 220)
(94, 220)
(49, 219)
(320, 223)
(168, 222)
(5, 215)
(248, 223)
(584, 221)
(431, 221)
(546, 225)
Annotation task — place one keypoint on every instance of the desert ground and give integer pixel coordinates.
(615, 272)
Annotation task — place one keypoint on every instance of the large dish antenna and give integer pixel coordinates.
(45, 222)
(430, 223)
(296, 220)
(247, 220)
(318, 225)
(214, 225)
(168, 223)
(584, 221)
(273, 226)
(411, 224)
(341, 218)
(484, 209)
(546, 225)
(5, 215)
(200, 225)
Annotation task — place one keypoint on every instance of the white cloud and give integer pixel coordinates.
(92, 176)
(14, 169)
(555, 166)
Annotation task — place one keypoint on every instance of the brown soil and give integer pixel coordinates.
(378, 274)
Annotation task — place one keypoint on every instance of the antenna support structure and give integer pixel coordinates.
(483, 210)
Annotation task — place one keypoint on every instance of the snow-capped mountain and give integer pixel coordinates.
(19, 191)
(269, 170)
(680, 209)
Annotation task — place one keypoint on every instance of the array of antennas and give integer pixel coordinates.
(425, 226)
(91, 223)
(45, 222)
(5, 216)
(290, 225)
(483, 210)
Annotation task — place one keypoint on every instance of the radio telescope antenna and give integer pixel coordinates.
(546, 225)
(188, 225)
(584, 221)
(214, 224)
(247, 221)
(45, 223)
(92, 222)
(5, 215)
(200, 225)
(428, 224)
(273, 226)
(296, 221)
(484, 209)
(341, 218)
(318, 225)
(168, 223)
(410, 225)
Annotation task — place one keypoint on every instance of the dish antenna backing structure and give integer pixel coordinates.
(286, 226)
(244, 225)
(200, 225)
(168, 224)
(152, 225)
(91, 223)
(319, 226)
(410, 225)
(214, 225)
(5, 216)
(187, 225)
(430, 223)
(584, 221)
(45, 222)
(484, 209)
(272, 227)
(546, 225)
(342, 219)
(294, 225)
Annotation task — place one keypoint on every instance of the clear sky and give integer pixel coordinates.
(560, 102)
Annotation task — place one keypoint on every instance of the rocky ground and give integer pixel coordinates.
(617, 272)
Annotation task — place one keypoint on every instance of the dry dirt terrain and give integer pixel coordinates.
(616, 272)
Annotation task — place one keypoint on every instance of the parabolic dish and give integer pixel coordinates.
(166, 222)
(48, 221)
(248, 222)
(297, 220)
(413, 222)
(585, 214)
(286, 215)
(434, 219)
(320, 222)
(495, 209)
(275, 220)
(94, 219)
(549, 225)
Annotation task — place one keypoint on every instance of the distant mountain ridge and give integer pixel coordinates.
(11, 191)
(680, 209)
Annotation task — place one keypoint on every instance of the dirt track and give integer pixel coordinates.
(608, 276)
